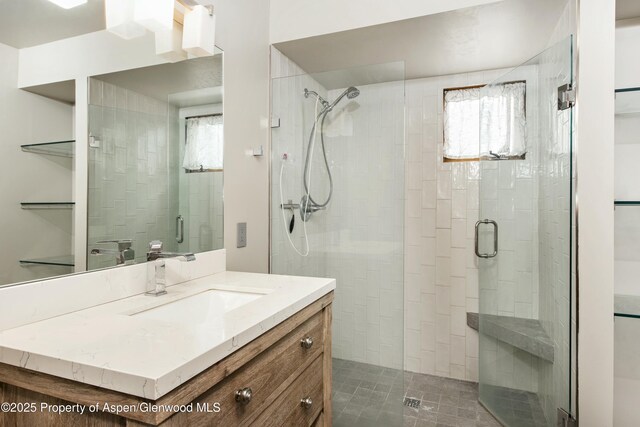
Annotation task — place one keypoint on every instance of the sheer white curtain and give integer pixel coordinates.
(503, 121)
(476, 125)
(204, 143)
(461, 118)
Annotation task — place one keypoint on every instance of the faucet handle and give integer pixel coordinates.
(155, 246)
(123, 244)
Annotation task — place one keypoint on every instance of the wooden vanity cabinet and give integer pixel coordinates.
(282, 378)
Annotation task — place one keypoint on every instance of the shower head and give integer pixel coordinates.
(351, 92)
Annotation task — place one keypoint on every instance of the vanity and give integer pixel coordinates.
(220, 348)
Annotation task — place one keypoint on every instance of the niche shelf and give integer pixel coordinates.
(628, 101)
(47, 205)
(62, 261)
(626, 306)
(56, 148)
(626, 203)
(525, 334)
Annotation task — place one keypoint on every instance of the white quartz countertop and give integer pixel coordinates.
(117, 347)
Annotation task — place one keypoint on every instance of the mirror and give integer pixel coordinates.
(108, 144)
(155, 160)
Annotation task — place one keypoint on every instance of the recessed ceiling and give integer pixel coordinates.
(160, 81)
(626, 9)
(26, 23)
(497, 35)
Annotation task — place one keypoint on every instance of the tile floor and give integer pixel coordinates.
(370, 396)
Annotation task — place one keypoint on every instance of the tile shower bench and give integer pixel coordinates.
(525, 334)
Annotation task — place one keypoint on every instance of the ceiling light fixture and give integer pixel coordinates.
(154, 15)
(120, 19)
(199, 33)
(68, 4)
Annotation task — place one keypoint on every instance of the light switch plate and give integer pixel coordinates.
(242, 234)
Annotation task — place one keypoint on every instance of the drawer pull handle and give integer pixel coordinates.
(306, 402)
(306, 343)
(244, 395)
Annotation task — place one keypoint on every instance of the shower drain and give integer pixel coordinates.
(411, 403)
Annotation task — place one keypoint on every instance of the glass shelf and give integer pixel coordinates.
(57, 148)
(63, 261)
(47, 205)
(626, 203)
(627, 306)
(628, 101)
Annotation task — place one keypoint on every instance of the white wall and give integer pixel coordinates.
(595, 133)
(627, 58)
(243, 33)
(243, 29)
(26, 118)
(296, 19)
(82, 56)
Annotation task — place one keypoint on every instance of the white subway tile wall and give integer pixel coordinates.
(358, 238)
(441, 275)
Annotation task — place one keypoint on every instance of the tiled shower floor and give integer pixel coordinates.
(370, 396)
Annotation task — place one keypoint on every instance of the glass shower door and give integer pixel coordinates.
(524, 243)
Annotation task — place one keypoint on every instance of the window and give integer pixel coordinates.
(498, 115)
(204, 144)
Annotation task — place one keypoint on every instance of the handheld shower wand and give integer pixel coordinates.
(312, 205)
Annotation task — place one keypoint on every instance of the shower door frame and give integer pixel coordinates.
(565, 415)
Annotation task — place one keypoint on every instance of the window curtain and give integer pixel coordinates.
(461, 118)
(503, 120)
(480, 121)
(204, 143)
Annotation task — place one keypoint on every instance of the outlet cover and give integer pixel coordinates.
(242, 234)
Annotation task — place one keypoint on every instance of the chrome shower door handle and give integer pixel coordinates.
(495, 238)
(179, 229)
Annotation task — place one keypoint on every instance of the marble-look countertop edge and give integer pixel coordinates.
(154, 388)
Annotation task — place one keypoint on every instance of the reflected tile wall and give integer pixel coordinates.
(128, 171)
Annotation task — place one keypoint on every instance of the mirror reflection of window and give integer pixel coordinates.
(204, 144)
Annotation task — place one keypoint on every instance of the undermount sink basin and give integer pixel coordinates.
(200, 308)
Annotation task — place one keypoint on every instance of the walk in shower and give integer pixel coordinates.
(337, 209)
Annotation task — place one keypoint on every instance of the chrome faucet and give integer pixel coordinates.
(124, 254)
(156, 267)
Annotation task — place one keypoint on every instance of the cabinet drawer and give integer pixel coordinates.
(288, 409)
(266, 375)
